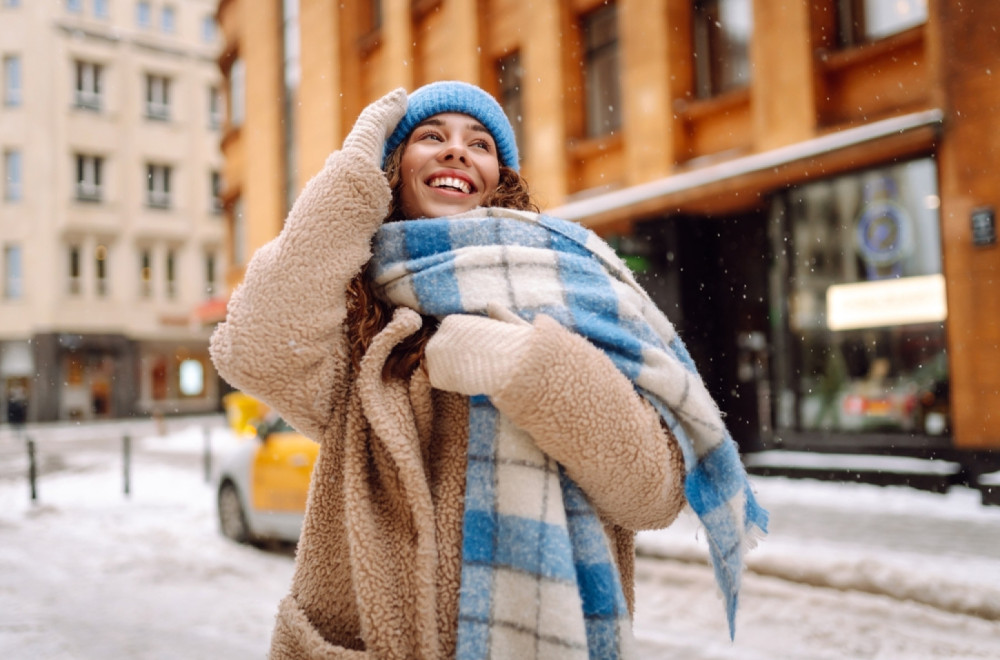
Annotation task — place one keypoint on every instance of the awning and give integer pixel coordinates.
(642, 198)
(212, 310)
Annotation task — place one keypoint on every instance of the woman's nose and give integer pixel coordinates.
(455, 150)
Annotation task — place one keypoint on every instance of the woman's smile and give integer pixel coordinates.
(449, 166)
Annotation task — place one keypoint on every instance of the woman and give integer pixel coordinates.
(480, 477)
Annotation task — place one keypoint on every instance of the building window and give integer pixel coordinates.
(239, 242)
(101, 9)
(168, 19)
(237, 88)
(214, 108)
(371, 16)
(11, 81)
(89, 174)
(215, 184)
(73, 271)
(12, 191)
(88, 85)
(209, 30)
(171, 274)
(157, 97)
(143, 14)
(510, 74)
(861, 257)
(721, 35)
(601, 71)
(145, 273)
(210, 274)
(158, 186)
(74, 6)
(101, 270)
(13, 288)
(861, 21)
(191, 377)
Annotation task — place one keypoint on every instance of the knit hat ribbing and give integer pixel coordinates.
(455, 96)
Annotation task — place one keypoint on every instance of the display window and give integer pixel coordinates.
(858, 262)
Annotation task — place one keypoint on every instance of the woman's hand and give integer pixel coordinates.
(374, 125)
(476, 355)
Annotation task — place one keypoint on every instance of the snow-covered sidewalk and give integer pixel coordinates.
(89, 573)
(941, 550)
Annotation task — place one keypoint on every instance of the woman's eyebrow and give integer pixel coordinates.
(433, 121)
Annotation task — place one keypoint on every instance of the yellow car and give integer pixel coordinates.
(263, 483)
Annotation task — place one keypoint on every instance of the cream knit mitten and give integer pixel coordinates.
(374, 125)
(475, 355)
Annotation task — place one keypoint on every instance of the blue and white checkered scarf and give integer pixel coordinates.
(534, 551)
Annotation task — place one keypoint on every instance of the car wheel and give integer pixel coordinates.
(232, 519)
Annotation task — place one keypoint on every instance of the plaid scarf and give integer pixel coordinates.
(536, 565)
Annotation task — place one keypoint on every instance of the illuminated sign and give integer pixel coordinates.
(902, 301)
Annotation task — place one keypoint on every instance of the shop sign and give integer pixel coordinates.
(901, 301)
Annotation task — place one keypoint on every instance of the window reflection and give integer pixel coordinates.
(875, 235)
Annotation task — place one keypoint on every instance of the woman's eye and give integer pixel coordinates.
(482, 144)
(431, 136)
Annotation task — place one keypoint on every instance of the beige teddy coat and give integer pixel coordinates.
(378, 563)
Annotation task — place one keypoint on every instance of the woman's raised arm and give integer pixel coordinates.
(283, 339)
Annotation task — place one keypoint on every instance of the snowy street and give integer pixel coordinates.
(849, 571)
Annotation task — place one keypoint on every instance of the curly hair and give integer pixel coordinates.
(367, 315)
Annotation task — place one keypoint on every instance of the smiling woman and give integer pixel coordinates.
(492, 432)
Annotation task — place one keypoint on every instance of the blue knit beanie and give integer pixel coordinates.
(455, 96)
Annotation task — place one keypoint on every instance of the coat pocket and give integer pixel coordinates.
(295, 638)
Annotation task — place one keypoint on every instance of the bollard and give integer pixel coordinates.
(207, 462)
(126, 463)
(32, 471)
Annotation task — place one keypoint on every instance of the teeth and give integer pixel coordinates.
(450, 182)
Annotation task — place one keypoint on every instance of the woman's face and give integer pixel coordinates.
(449, 166)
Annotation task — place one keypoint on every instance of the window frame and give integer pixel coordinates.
(712, 53)
(13, 175)
(143, 14)
(13, 276)
(168, 19)
(854, 14)
(102, 282)
(236, 94)
(157, 102)
(601, 72)
(170, 273)
(74, 270)
(510, 78)
(88, 87)
(158, 185)
(13, 81)
(145, 272)
(89, 178)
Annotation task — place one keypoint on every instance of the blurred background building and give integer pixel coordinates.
(111, 226)
(807, 188)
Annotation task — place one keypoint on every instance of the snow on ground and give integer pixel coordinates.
(849, 571)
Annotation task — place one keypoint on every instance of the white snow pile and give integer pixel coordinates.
(939, 550)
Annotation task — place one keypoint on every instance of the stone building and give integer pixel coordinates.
(807, 188)
(111, 225)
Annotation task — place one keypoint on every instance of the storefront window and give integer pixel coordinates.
(860, 262)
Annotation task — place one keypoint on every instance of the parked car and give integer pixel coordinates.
(262, 485)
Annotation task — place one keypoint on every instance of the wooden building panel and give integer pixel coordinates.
(501, 26)
(968, 161)
(715, 126)
(873, 81)
(598, 164)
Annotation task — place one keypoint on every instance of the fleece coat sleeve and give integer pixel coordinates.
(587, 416)
(283, 339)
